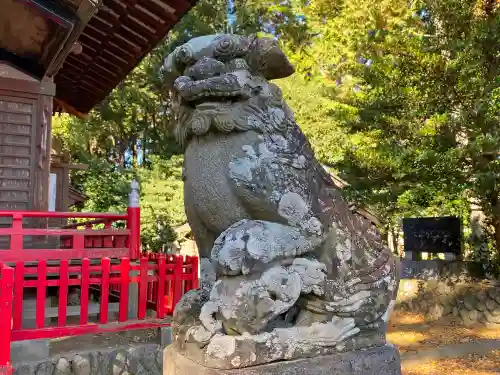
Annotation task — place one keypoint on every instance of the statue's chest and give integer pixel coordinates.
(207, 159)
(208, 188)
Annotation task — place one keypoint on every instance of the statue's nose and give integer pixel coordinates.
(205, 68)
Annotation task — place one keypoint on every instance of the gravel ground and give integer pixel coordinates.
(444, 347)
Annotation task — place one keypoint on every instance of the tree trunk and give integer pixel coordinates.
(496, 228)
(134, 151)
(395, 239)
(143, 150)
(121, 150)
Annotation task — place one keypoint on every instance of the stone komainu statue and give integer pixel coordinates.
(288, 271)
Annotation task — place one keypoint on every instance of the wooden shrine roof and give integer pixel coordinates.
(114, 42)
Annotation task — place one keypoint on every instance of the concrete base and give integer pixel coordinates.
(166, 336)
(32, 350)
(377, 361)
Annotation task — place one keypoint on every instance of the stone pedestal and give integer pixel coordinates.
(376, 361)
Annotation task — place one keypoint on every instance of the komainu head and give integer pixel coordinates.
(220, 83)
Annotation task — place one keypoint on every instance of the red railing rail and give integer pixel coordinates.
(76, 240)
(186, 269)
(6, 293)
(169, 279)
(93, 222)
(173, 292)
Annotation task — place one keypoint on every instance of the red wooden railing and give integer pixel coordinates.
(93, 256)
(170, 282)
(6, 290)
(174, 291)
(77, 240)
(184, 268)
(74, 243)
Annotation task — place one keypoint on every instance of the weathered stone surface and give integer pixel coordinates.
(166, 336)
(408, 289)
(384, 360)
(492, 325)
(492, 293)
(63, 367)
(492, 318)
(481, 318)
(35, 350)
(436, 311)
(141, 360)
(482, 296)
(298, 273)
(456, 271)
(45, 368)
(481, 306)
(470, 301)
(81, 365)
(491, 305)
(441, 288)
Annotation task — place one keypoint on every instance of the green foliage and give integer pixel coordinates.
(162, 205)
(400, 98)
(105, 185)
(416, 89)
(313, 111)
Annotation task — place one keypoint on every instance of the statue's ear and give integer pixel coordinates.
(253, 55)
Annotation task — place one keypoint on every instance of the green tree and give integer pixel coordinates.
(416, 92)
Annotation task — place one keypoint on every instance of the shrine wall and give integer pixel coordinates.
(25, 136)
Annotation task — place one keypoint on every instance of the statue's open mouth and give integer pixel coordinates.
(207, 102)
(229, 87)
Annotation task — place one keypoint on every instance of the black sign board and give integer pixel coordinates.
(433, 234)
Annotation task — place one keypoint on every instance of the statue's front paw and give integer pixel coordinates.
(229, 255)
(349, 304)
(340, 329)
(251, 245)
(312, 274)
(327, 334)
(250, 306)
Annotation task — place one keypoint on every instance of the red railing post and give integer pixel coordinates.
(105, 267)
(143, 288)
(84, 292)
(6, 294)
(178, 280)
(41, 294)
(124, 285)
(16, 238)
(195, 273)
(160, 290)
(63, 292)
(134, 221)
(18, 295)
